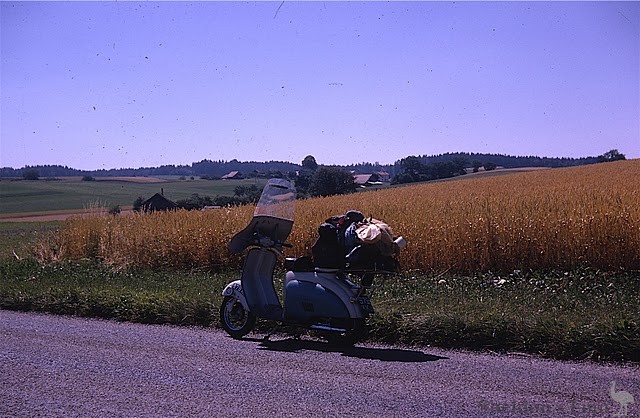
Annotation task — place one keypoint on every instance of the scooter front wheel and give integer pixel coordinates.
(235, 319)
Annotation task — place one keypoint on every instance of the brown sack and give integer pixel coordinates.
(377, 233)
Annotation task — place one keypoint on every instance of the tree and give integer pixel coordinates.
(309, 163)
(137, 204)
(459, 164)
(476, 164)
(115, 210)
(612, 155)
(328, 181)
(31, 174)
(402, 178)
(443, 170)
(276, 174)
(411, 168)
(247, 194)
(88, 178)
(196, 202)
(303, 182)
(253, 193)
(488, 166)
(239, 190)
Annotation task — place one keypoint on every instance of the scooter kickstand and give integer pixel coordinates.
(270, 333)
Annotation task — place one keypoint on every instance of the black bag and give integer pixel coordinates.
(327, 251)
(330, 248)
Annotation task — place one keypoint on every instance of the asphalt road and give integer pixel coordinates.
(60, 366)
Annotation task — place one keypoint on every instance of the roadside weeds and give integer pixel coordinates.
(564, 315)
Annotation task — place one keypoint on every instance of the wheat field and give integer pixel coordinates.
(548, 219)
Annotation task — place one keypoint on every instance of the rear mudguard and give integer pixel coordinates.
(234, 289)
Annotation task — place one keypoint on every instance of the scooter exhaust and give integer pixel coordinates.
(327, 328)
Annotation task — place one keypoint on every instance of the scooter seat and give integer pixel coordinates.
(326, 270)
(300, 264)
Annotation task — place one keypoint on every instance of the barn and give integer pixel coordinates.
(232, 175)
(362, 179)
(158, 202)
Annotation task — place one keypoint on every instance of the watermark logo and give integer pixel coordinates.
(623, 397)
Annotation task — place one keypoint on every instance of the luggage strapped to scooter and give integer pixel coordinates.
(352, 242)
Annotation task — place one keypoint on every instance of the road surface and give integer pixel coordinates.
(61, 366)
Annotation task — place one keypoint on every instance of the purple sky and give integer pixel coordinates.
(123, 84)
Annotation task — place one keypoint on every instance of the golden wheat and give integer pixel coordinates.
(560, 218)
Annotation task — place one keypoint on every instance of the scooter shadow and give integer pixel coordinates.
(295, 345)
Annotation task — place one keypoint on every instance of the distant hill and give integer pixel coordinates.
(220, 168)
(276, 168)
(209, 168)
(508, 161)
(436, 167)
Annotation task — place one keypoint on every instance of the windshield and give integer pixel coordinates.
(277, 200)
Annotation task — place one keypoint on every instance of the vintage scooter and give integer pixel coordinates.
(314, 298)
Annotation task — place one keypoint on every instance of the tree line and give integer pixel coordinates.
(438, 166)
(426, 168)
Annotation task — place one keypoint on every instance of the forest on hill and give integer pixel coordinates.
(216, 169)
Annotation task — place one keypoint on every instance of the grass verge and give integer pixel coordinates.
(18, 239)
(88, 289)
(564, 315)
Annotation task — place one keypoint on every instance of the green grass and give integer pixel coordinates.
(20, 237)
(87, 289)
(45, 195)
(567, 315)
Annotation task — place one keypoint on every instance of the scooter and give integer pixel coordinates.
(316, 298)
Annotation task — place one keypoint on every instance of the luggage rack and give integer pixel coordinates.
(305, 264)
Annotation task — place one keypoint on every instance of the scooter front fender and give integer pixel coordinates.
(234, 289)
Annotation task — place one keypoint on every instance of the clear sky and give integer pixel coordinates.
(96, 85)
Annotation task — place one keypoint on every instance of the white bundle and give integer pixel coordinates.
(375, 232)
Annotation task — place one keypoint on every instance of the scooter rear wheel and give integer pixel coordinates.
(235, 319)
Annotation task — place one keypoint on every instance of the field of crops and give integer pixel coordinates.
(20, 196)
(563, 218)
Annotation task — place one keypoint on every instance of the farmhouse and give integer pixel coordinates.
(368, 179)
(232, 175)
(158, 202)
(362, 179)
(383, 176)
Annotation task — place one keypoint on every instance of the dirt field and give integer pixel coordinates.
(132, 179)
(53, 215)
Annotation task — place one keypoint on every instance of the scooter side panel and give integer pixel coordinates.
(257, 284)
(235, 289)
(306, 300)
